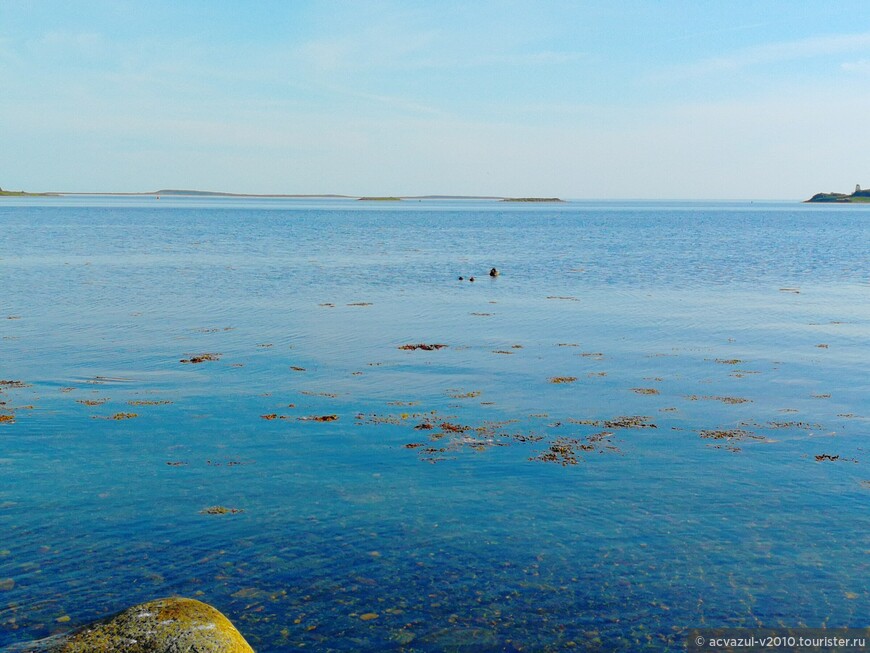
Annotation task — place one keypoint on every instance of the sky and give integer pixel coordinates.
(654, 99)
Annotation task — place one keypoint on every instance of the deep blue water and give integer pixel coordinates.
(740, 331)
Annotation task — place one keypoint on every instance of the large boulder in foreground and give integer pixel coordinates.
(173, 625)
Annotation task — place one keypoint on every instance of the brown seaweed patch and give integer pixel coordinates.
(564, 298)
(796, 291)
(724, 400)
(7, 418)
(502, 351)
(296, 368)
(826, 395)
(482, 314)
(455, 394)
(149, 402)
(270, 416)
(567, 344)
(562, 451)
(118, 416)
(793, 425)
(822, 346)
(318, 418)
(360, 304)
(310, 393)
(562, 379)
(92, 402)
(826, 456)
(645, 391)
(327, 304)
(220, 510)
(729, 434)
(201, 358)
(13, 384)
(176, 463)
(422, 346)
(728, 361)
(630, 422)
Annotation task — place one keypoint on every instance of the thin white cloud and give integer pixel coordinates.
(860, 66)
(817, 46)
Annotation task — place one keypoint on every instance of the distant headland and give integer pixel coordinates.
(21, 193)
(858, 197)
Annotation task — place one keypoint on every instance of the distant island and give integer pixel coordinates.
(532, 199)
(858, 197)
(176, 192)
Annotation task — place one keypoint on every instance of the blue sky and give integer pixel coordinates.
(656, 99)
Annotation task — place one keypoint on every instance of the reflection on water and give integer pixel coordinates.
(702, 462)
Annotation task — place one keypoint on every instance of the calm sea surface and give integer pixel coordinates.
(704, 461)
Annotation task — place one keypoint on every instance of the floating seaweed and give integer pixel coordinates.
(454, 394)
(91, 402)
(630, 422)
(724, 400)
(220, 510)
(14, 384)
(562, 379)
(729, 434)
(422, 346)
(202, 358)
(318, 418)
(645, 391)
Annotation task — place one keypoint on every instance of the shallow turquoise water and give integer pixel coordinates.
(704, 319)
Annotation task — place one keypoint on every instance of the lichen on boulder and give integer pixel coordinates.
(171, 625)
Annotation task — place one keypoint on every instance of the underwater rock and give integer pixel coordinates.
(163, 626)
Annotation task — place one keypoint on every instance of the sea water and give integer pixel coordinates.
(655, 418)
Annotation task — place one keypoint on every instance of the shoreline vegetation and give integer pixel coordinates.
(532, 199)
(858, 197)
